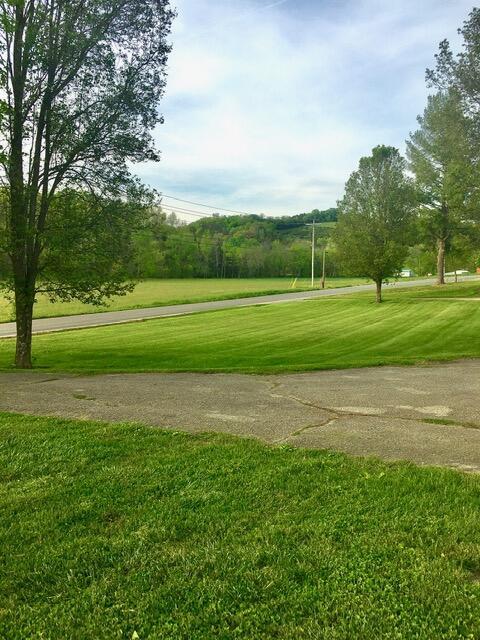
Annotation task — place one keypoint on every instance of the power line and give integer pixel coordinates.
(186, 212)
(189, 212)
(208, 206)
(215, 208)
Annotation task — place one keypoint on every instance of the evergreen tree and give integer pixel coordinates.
(440, 158)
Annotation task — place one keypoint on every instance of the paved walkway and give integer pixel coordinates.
(381, 411)
(44, 325)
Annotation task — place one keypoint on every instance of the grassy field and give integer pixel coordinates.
(121, 531)
(157, 293)
(338, 332)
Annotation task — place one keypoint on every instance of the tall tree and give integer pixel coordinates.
(81, 81)
(462, 71)
(440, 158)
(374, 217)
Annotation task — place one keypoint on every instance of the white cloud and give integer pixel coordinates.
(269, 105)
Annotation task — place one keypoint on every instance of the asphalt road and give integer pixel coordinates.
(428, 415)
(46, 325)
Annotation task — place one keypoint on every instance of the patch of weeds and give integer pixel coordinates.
(453, 423)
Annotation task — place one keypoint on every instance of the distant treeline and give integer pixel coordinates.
(230, 246)
(250, 246)
(254, 246)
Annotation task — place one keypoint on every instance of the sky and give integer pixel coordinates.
(269, 104)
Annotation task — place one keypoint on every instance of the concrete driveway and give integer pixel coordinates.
(426, 414)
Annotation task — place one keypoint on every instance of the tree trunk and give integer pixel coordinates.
(441, 261)
(378, 284)
(24, 314)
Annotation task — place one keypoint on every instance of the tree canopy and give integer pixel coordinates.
(372, 233)
(81, 84)
(231, 246)
(440, 156)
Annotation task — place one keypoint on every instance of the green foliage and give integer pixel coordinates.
(460, 72)
(421, 259)
(82, 80)
(231, 246)
(458, 76)
(121, 531)
(373, 229)
(462, 254)
(89, 248)
(349, 331)
(441, 159)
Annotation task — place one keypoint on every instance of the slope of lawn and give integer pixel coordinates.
(460, 290)
(314, 334)
(157, 293)
(120, 531)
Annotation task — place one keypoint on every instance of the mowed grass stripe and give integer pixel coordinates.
(313, 334)
(161, 292)
(447, 328)
(409, 327)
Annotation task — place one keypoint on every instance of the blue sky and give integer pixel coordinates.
(269, 104)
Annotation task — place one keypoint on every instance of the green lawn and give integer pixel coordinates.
(157, 293)
(315, 334)
(120, 531)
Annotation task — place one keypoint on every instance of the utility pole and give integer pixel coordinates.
(323, 267)
(312, 224)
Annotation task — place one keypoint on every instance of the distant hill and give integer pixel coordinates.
(231, 245)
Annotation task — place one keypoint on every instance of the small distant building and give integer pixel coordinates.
(406, 273)
(458, 272)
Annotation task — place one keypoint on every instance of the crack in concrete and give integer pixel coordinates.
(337, 414)
(298, 432)
(362, 420)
